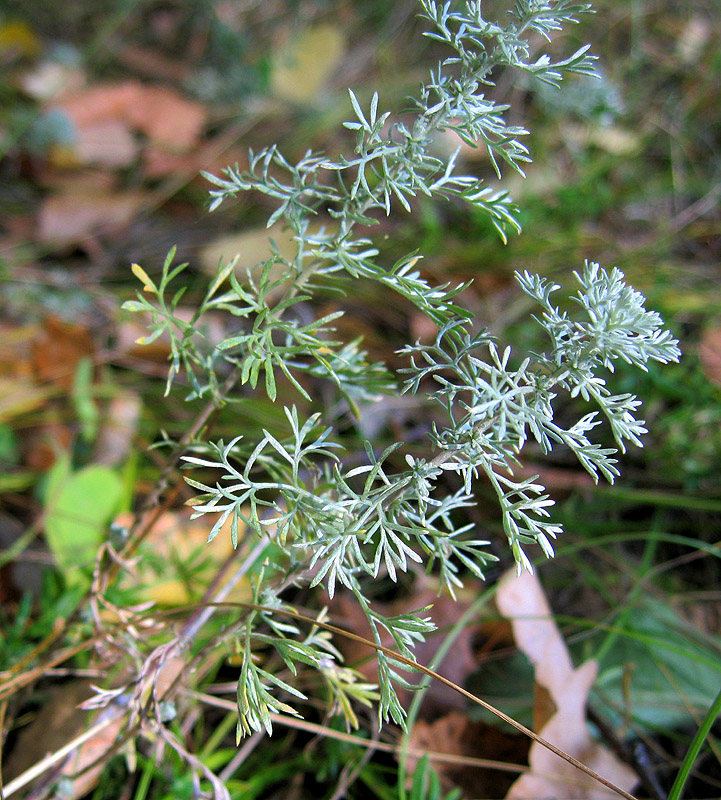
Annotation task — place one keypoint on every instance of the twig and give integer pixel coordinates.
(349, 738)
(648, 780)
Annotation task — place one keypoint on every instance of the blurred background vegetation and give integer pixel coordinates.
(108, 111)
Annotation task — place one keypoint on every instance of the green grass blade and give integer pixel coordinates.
(695, 748)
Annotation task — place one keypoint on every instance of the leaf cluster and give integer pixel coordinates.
(341, 525)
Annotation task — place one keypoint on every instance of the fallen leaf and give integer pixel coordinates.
(68, 218)
(58, 348)
(302, 69)
(167, 118)
(522, 601)
(183, 563)
(42, 443)
(212, 157)
(118, 429)
(709, 352)
(455, 734)
(102, 101)
(107, 143)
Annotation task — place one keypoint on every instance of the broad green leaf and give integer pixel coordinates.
(79, 507)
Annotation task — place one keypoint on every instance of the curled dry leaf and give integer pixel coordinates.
(522, 601)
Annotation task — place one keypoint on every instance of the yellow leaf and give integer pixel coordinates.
(303, 69)
(142, 276)
(19, 40)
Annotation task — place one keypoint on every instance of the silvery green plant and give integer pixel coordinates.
(338, 525)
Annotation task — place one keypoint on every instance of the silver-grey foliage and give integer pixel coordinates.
(337, 525)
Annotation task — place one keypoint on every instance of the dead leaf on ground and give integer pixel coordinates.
(302, 68)
(252, 246)
(167, 118)
(456, 735)
(183, 562)
(68, 218)
(58, 349)
(214, 156)
(107, 143)
(522, 601)
(709, 352)
(118, 428)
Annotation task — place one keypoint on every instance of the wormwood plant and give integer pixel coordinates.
(335, 524)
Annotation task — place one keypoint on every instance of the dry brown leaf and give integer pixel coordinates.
(107, 142)
(68, 218)
(58, 348)
(522, 601)
(212, 157)
(167, 118)
(102, 101)
(709, 352)
(455, 734)
(118, 429)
